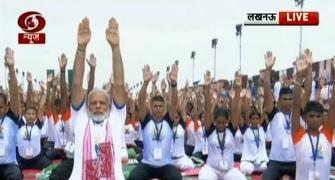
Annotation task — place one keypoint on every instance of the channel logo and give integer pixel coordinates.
(31, 22)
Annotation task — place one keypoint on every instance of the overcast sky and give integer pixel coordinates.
(157, 32)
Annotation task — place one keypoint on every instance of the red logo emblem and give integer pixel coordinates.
(31, 22)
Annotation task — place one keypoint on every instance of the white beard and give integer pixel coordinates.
(98, 118)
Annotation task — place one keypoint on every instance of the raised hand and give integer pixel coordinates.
(9, 57)
(333, 67)
(174, 74)
(84, 33)
(92, 62)
(43, 87)
(238, 80)
(112, 33)
(207, 78)
(243, 93)
(163, 85)
(269, 60)
(62, 60)
(308, 56)
(301, 65)
(29, 77)
(155, 77)
(147, 74)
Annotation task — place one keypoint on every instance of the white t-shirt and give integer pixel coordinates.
(282, 144)
(254, 144)
(190, 132)
(45, 127)
(117, 117)
(276, 89)
(29, 137)
(215, 155)
(200, 137)
(303, 149)
(178, 140)
(157, 137)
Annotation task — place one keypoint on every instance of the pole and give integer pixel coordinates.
(193, 71)
(215, 63)
(241, 52)
(301, 5)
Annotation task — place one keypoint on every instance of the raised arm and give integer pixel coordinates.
(13, 89)
(40, 111)
(308, 80)
(63, 89)
(331, 119)
(236, 107)
(113, 38)
(92, 63)
(301, 66)
(83, 37)
(268, 98)
(30, 93)
(174, 92)
(208, 103)
(142, 106)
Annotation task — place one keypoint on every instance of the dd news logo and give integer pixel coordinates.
(31, 23)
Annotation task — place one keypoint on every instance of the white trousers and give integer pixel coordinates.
(207, 172)
(248, 167)
(183, 163)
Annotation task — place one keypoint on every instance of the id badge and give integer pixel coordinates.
(285, 144)
(2, 148)
(69, 147)
(313, 175)
(204, 150)
(29, 152)
(223, 165)
(158, 153)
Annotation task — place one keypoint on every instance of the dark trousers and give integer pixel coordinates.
(276, 170)
(145, 172)
(39, 162)
(10, 172)
(63, 170)
(54, 154)
(200, 156)
(189, 150)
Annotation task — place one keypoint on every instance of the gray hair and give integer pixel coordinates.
(104, 92)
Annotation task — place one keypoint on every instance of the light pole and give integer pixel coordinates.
(239, 33)
(214, 43)
(301, 4)
(192, 57)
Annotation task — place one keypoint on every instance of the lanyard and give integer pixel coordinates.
(158, 132)
(288, 121)
(256, 136)
(221, 141)
(2, 120)
(314, 150)
(204, 132)
(29, 133)
(174, 135)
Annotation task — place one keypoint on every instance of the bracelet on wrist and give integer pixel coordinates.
(174, 85)
(82, 50)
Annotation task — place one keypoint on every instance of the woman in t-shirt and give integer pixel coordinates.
(29, 137)
(220, 131)
(254, 156)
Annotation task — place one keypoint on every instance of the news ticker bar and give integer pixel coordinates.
(282, 18)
